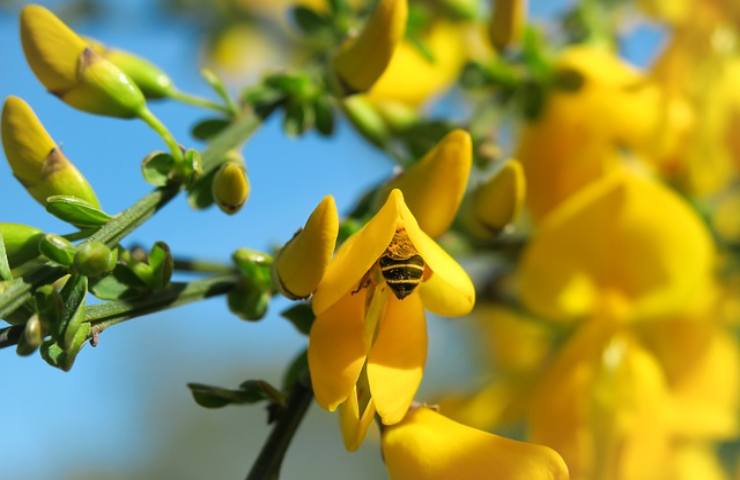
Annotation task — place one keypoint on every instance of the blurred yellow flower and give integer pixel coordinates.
(428, 446)
(369, 308)
(579, 135)
(625, 235)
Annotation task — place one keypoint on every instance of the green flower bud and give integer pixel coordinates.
(69, 68)
(150, 79)
(94, 259)
(21, 242)
(231, 187)
(247, 301)
(57, 249)
(31, 338)
(36, 161)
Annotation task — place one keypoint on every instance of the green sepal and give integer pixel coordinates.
(52, 353)
(77, 342)
(49, 307)
(249, 392)
(324, 115)
(121, 284)
(76, 211)
(263, 99)
(248, 301)
(218, 86)
(301, 316)
(209, 128)
(162, 265)
(4, 264)
(157, 168)
(200, 195)
(57, 249)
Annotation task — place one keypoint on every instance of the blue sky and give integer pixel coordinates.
(120, 406)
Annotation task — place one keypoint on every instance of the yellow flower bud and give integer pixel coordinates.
(301, 263)
(507, 22)
(363, 59)
(36, 161)
(231, 187)
(21, 242)
(434, 186)
(498, 201)
(150, 79)
(71, 70)
(429, 446)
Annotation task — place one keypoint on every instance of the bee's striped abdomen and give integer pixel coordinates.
(402, 275)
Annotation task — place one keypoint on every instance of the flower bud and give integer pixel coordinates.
(36, 161)
(150, 79)
(507, 22)
(498, 201)
(71, 70)
(94, 259)
(230, 187)
(57, 249)
(301, 263)
(21, 242)
(247, 301)
(32, 337)
(434, 186)
(363, 59)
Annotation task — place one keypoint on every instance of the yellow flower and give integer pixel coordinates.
(428, 446)
(411, 78)
(71, 70)
(37, 162)
(370, 324)
(434, 186)
(579, 135)
(361, 60)
(301, 263)
(626, 235)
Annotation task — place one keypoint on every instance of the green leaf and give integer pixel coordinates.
(157, 168)
(218, 86)
(301, 316)
(73, 294)
(249, 392)
(77, 341)
(4, 264)
(263, 99)
(324, 113)
(310, 21)
(162, 264)
(52, 353)
(76, 211)
(299, 118)
(57, 249)
(209, 128)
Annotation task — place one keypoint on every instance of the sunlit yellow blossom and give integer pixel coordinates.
(580, 133)
(301, 263)
(434, 186)
(696, 461)
(428, 446)
(71, 70)
(625, 235)
(364, 327)
(37, 162)
(411, 78)
(361, 60)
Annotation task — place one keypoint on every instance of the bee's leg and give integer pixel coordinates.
(365, 281)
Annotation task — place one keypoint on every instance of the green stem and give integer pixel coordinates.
(270, 459)
(108, 314)
(235, 134)
(202, 266)
(196, 101)
(150, 119)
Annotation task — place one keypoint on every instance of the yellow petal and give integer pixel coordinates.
(357, 254)
(337, 350)
(411, 78)
(434, 186)
(301, 263)
(507, 22)
(428, 446)
(498, 201)
(626, 234)
(696, 461)
(52, 49)
(396, 361)
(363, 59)
(353, 423)
(36, 161)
